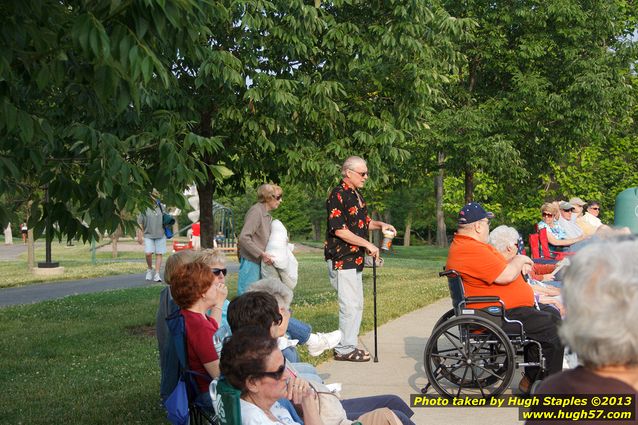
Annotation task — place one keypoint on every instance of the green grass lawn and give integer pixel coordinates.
(92, 359)
(77, 263)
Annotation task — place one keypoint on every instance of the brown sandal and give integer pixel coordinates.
(355, 355)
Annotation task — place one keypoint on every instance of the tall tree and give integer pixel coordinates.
(73, 78)
(541, 79)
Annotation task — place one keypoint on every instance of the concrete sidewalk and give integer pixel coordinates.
(400, 371)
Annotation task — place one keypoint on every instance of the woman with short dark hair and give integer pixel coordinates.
(252, 363)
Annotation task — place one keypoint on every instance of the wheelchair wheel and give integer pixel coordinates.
(469, 355)
(447, 316)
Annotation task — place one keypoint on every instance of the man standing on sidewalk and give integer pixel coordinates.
(345, 247)
(154, 239)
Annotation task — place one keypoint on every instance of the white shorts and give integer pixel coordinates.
(155, 246)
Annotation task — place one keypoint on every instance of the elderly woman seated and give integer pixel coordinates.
(505, 240)
(283, 294)
(600, 292)
(556, 235)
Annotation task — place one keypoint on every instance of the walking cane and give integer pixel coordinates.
(374, 297)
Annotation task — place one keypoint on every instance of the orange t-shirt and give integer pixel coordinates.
(479, 265)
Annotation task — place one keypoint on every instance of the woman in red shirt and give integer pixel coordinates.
(197, 288)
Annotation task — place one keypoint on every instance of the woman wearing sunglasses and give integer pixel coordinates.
(252, 363)
(198, 288)
(254, 236)
(556, 235)
(591, 215)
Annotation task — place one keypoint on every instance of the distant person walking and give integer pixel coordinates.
(254, 236)
(345, 247)
(153, 238)
(8, 235)
(25, 231)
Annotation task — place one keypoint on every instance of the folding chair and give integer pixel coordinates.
(546, 252)
(199, 413)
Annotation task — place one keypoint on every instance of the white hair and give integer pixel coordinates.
(351, 162)
(600, 290)
(274, 287)
(502, 237)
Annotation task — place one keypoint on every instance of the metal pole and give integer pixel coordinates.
(374, 296)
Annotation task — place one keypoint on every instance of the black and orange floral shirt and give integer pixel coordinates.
(346, 210)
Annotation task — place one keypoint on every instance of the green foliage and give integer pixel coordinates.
(542, 81)
(72, 80)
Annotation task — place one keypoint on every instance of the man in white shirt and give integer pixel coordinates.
(567, 220)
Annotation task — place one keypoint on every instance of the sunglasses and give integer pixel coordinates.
(548, 214)
(216, 272)
(365, 173)
(276, 375)
(594, 208)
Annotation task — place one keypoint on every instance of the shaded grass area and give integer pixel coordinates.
(77, 263)
(92, 359)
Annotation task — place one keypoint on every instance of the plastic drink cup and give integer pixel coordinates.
(388, 235)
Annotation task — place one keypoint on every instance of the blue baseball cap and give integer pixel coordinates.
(473, 212)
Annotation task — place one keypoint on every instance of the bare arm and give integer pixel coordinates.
(516, 266)
(562, 242)
(380, 225)
(212, 368)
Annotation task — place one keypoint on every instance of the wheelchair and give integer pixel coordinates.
(469, 353)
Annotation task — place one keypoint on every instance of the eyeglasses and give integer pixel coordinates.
(278, 197)
(216, 271)
(364, 174)
(276, 375)
(546, 214)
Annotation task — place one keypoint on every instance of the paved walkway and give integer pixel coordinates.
(47, 291)
(400, 371)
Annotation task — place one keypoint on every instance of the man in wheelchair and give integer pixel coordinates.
(485, 272)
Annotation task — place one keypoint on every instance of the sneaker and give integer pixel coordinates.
(157, 278)
(319, 342)
(149, 274)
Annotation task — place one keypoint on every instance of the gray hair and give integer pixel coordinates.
(600, 290)
(212, 257)
(351, 162)
(274, 287)
(503, 237)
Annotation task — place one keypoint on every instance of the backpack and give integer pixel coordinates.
(180, 404)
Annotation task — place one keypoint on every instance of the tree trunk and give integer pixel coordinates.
(408, 229)
(316, 229)
(115, 236)
(469, 186)
(30, 250)
(207, 229)
(441, 231)
(374, 235)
